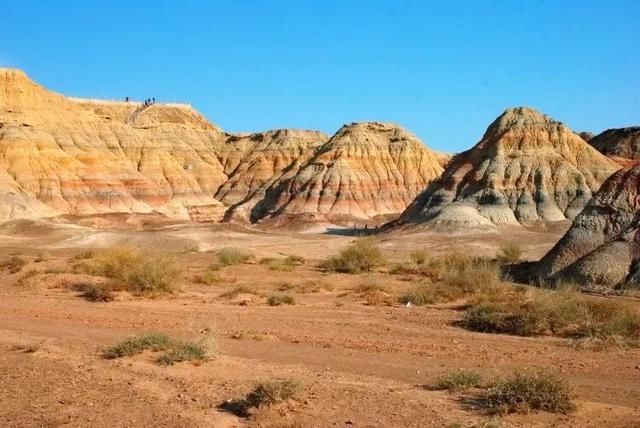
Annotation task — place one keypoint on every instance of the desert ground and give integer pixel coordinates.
(357, 363)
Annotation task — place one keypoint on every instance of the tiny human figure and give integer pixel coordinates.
(153, 100)
(126, 99)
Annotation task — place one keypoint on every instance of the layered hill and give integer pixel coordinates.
(526, 168)
(87, 157)
(621, 144)
(365, 171)
(62, 155)
(602, 247)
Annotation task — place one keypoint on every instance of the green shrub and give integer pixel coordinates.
(182, 352)
(509, 253)
(523, 392)
(361, 256)
(280, 299)
(13, 264)
(232, 256)
(138, 344)
(459, 380)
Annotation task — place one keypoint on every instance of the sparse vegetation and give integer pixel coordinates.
(523, 392)
(138, 344)
(143, 274)
(13, 264)
(230, 256)
(26, 276)
(235, 292)
(509, 253)
(268, 393)
(564, 313)
(419, 257)
(374, 294)
(174, 351)
(95, 293)
(280, 299)
(207, 278)
(459, 380)
(361, 256)
(84, 255)
(179, 352)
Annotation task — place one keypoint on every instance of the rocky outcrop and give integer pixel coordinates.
(527, 168)
(267, 158)
(365, 171)
(602, 247)
(621, 145)
(66, 156)
(586, 135)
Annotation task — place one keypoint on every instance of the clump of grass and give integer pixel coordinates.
(182, 352)
(374, 294)
(138, 344)
(207, 278)
(84, 255)
(267, 393)
(419, 257)
(509, 253)
(561, 313)
(523, 392)
(294, 260)
(459, 380)
(13, 264)
(144, 274)
(29, 348)
(95, 293)
(41, 257)
(280, 299)
(230, 256)
(26, 276)
(235, 292)
(281, 266)
(359, 257)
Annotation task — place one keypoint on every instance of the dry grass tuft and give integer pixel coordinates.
(280, 299)
(509, 253)
(361, 256)
(235, 292)
(459, 380)
(523, 392)
(230, 256)
(13, 264)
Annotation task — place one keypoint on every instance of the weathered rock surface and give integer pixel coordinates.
(527, 168)
(366, 170)
(621, 145)
(602, 247)
(63, 155)
(586, 135)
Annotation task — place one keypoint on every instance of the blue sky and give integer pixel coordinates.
(443, 69)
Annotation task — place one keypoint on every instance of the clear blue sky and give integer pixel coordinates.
(443, 69)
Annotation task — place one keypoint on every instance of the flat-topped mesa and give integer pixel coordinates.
(600, 250)
(365, 171)
(86, 158)
(621, 144)
(526, 168)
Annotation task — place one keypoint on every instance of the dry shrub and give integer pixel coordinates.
(264, 394)
(13, 264)
(207, 278)
(144, 274)
(84, 255)
(95, 293)
(523, 392)
(230, 256)
(563, 313)
(173, 351)
(280, 299)
(26, 276)
(459, 380)
(509, 253)
(419, 257)
(374, 294)
(235, 292)
(361, 256)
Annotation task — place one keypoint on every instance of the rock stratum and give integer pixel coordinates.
(365, 171)
(62, 155)
(527, 168)
(621, 144)
(602, 247)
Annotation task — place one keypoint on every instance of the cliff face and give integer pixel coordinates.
(602, 247)
(527, 168)
(364, 171)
